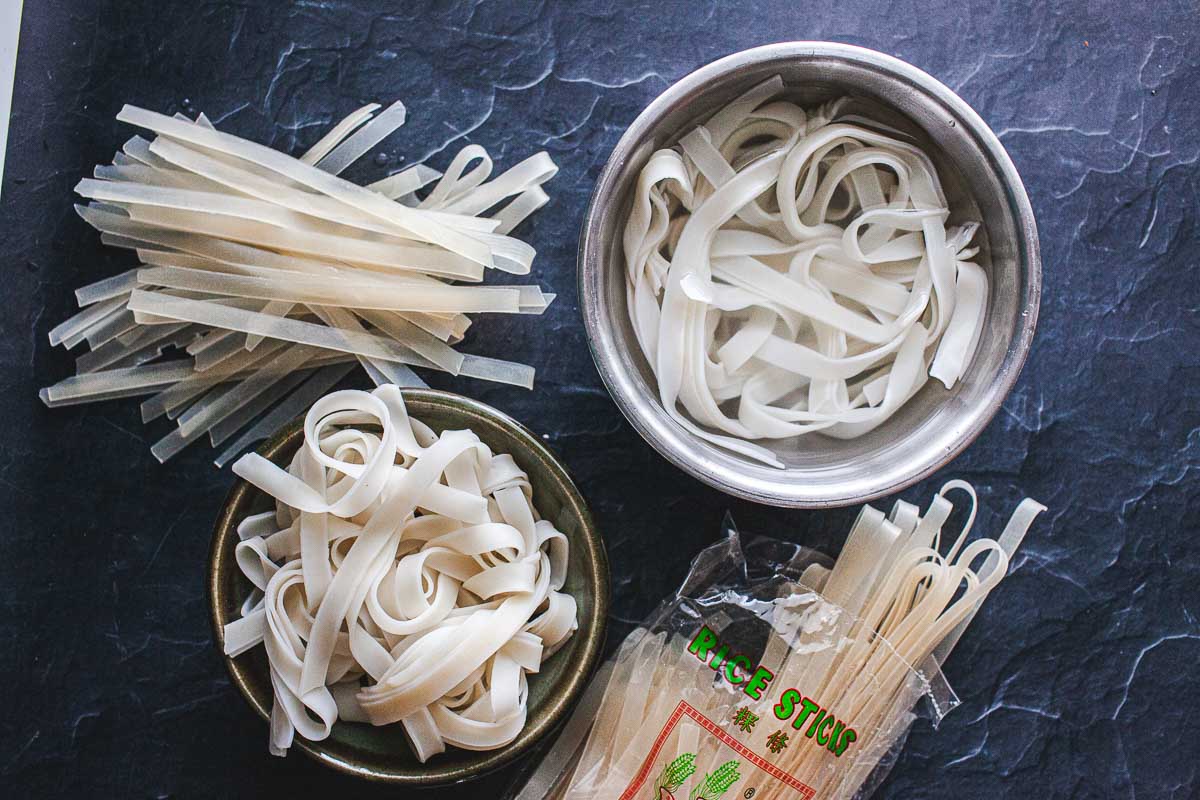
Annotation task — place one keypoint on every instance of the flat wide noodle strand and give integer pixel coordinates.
(405, 577)
(241, 244)
(792, 271)
(865, 638)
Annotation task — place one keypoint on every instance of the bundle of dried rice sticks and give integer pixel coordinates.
(273, 275)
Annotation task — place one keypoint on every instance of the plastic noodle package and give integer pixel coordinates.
(774, 672)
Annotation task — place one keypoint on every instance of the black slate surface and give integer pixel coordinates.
(1079, 677)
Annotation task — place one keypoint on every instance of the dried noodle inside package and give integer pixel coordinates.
(774, 672)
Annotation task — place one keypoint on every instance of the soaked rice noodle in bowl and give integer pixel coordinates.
(793, 271)
(405, 576)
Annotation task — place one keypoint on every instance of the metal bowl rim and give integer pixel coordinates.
(675, 444)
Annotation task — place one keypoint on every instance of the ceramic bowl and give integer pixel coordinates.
(382, 754)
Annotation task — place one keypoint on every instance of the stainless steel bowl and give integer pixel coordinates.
(981, 183)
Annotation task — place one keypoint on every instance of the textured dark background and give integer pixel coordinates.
(1078, 679)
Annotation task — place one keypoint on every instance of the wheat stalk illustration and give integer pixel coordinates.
(674, 774)
(717, 782)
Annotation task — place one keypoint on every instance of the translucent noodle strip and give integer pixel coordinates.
(520, 207)
(338, 132)
(106, 289)
(533, 171)
(160, 243)
(141, 356)
(389, 256)
(138, 149)
(44, 396)
(126, 242)
(494, 369)
(75, 339)
(434, 324)
(135, 334)
(120, 382)
(242, 179)
(192, 385)
(417, 340)
(303, 269)
(111, 327)
(405, 182)
(200, 395)
(151, 176)
(201, 416)
(534, 300)
(146, 318)
(401, 375)
(208, 340)
(403, 297)
(461, 323)
(422, 226)
(206, 313)
(150, 352)
(511, 255)
(210, 385)
(380, 371)
(222, 430)
(458, 178)
(296, 240)
(296, 403)
(228, 347)
(366, 137)
(284, 267)
(181, 339)
(380, 375)
(267, 209)
(278, 308)
(114, 351)
(170, 445)
(75, 327)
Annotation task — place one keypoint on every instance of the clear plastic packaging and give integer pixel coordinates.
(768, 673)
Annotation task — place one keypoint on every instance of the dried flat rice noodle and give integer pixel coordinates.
(863, 640)
(245, 248)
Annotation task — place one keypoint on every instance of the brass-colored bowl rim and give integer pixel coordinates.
(556, 705)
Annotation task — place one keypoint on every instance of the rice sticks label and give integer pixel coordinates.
(694, 758)
(805, 714)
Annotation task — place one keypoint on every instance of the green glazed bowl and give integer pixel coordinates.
(382, 754)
